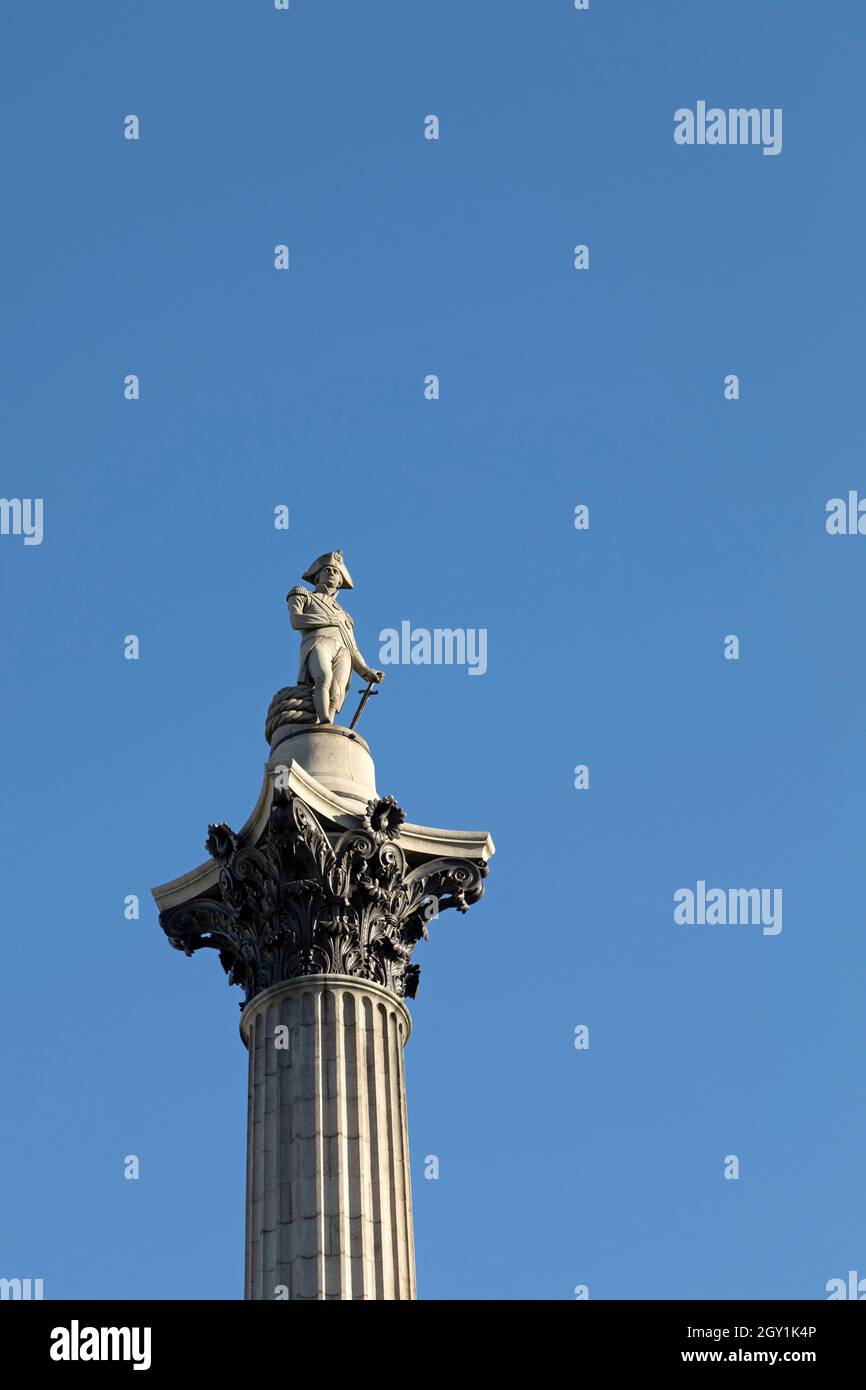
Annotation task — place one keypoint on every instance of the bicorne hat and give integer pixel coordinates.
(334, 558)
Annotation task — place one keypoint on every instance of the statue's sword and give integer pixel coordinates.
(365, 695)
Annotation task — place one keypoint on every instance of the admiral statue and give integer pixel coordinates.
(329, 652)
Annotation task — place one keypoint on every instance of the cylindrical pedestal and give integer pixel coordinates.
(329, 1202)
(336, 757)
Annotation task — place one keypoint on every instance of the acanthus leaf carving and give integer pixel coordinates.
(295, 904)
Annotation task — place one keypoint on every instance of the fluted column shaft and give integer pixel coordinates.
(329, 1203)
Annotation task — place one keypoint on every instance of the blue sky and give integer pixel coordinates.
(305, 388)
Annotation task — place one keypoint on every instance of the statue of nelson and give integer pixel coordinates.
(329, 652)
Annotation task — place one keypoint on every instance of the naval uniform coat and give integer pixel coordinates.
(331, 624)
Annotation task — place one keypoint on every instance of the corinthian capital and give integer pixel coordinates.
(296, 895)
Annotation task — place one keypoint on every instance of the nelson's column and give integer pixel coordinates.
(315, 907)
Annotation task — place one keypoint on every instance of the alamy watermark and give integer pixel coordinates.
(846, 517)
(21, 1288)
(738, 125)
(720, 907)
(22, 516)
(77, 1343)
(441, 646)
(854, 1287)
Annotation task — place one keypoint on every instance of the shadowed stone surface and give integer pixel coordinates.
(296, 900)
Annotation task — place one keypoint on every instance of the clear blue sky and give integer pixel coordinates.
(558, 387)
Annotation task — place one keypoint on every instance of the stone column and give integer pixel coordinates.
(329, 1203)
(315, 908)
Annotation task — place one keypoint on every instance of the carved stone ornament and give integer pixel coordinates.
(299, 902)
